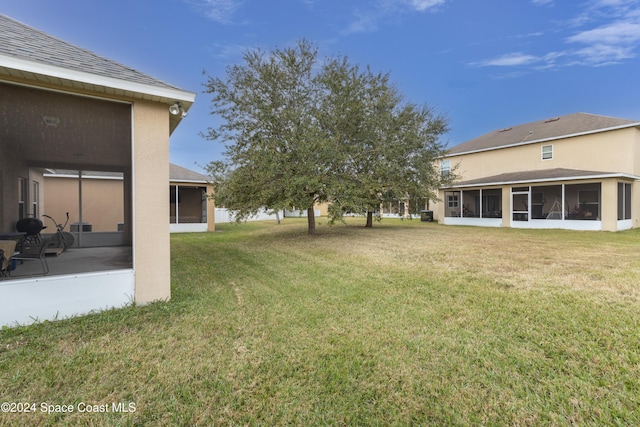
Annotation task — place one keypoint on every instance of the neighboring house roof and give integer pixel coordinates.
(557, 174)
(180, 174)
(544, 130)
(30, 54)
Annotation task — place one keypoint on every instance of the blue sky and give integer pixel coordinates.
(484, 64)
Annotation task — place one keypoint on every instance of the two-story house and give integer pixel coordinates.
(578, 171)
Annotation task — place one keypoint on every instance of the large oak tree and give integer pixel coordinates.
(276, 153)
(299, 132)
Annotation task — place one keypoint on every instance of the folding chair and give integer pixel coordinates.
(35, 252)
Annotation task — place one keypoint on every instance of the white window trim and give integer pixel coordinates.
(542, 152)
(445, 167)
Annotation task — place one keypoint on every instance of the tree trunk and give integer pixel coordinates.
(369, 220)
(311, 220)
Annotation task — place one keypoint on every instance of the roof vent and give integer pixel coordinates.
(553, 119)
(505, 130)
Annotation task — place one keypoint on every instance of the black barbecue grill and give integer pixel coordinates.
(31, 227)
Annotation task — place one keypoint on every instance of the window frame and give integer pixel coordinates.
(445, 168)
(548, 153)
(35, 199)
(23, 189)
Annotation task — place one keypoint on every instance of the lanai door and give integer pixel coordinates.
(520, 203)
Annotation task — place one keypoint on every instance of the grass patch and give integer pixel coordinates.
(406, 323)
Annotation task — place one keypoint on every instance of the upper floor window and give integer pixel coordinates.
(547, 152)
(445, 168)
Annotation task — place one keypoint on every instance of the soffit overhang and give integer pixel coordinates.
(24, 71)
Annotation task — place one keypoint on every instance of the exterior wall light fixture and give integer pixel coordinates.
(177, 109)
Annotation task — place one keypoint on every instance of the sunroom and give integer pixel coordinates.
(45, 130)
(559, 198)
(191, 205)
(65, 108)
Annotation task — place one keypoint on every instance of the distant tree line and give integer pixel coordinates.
(300, 131)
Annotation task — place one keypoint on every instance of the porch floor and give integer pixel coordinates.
(77, 260)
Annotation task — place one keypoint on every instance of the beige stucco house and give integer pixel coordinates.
(63, 107)
(578, 171)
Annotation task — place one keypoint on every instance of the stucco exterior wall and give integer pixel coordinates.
(103, 202)
(613, 151)
(151, 256)
(211, 209)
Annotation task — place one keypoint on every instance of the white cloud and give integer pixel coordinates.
(422, 5)
(363, 23)
(220, 11)
(612, 34)
(510, 60)
(613, 37)
(602, 54)
(610, 42)
(369, 20)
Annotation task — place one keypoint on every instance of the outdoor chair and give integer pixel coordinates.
(35, 252)
(7, 248)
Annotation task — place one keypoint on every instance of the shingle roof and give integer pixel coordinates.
(22, 41)
(178, 173)
(552, 128)
(557, 174)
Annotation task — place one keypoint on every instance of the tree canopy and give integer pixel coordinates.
(299, 132)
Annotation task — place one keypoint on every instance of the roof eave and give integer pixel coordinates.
(188, 181)
(542, 180)
(98, 83)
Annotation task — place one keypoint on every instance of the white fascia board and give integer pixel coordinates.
(75, 176)
(531, 181)
(536, 141)
(95, 79)
(186, 181)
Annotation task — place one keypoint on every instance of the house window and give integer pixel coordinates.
(452, 208)
(547, 152)
(22, 197)
(624, 201)
(445, 168)
(35, 196)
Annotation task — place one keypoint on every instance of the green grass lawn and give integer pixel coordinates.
(408, 323)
